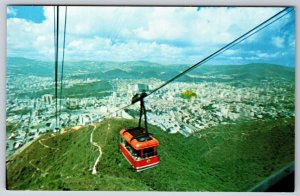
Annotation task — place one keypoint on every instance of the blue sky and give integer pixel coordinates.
(30, 13)
(165, 35)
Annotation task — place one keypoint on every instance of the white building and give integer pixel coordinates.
(47, 99)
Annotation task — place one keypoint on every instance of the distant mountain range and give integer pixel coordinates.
(144, 70)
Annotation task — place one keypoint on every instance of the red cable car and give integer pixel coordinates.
(137, 145)
(139, 148)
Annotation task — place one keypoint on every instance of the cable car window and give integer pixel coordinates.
(128, 147)
(148, 152)
(137, 154)
(122, 141)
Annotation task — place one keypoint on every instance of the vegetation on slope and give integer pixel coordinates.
(224, 158)
(97, 89)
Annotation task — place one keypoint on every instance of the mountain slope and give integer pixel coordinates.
(144, 69)
(24, 66)
(224, 158)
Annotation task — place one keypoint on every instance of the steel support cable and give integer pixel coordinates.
(221, 50)
(261, 28)
(241, 38)
(114, 36)
(62, 63)
(54, 44)
(54, 31)
(116, 111)
(116, 20)
(56, 63)
(120, 23)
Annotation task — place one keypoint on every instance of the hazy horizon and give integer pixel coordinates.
(151, 62)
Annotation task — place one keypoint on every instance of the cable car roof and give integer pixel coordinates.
(137, 139)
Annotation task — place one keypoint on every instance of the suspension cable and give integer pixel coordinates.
(56, 63)
(241, 38)
(62, 64)
(254, 32)
(54, 31)
(116, 111)
(226, 47)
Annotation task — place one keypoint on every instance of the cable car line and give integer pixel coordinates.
(62, 63)
(136, 144)
(241, 38)
(224, 48)
(261, 28)
(54, 31)
(116, 111)
(56, 62)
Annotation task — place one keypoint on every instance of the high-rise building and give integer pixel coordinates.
(47, 99)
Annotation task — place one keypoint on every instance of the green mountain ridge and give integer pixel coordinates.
(223, 158)
(143, 69)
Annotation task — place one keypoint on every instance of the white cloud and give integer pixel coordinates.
(268, 55)
(291, 41)
(278, 41)
(104, 50)
(209, 26)
(25, 35)
(236, 58)
(163, 34)
(230, 52)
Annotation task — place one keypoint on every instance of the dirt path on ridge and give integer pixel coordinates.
(94, 170)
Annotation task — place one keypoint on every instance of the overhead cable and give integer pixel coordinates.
(238, 40)
(229, 45)
(56, 63)
(62, 63)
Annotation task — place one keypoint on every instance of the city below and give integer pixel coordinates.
(215, 103)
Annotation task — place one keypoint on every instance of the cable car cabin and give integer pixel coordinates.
(139, 148)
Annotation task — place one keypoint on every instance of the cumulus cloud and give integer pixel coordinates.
(160, 34)
(268, 55)
(278, 41)
(28, 36)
